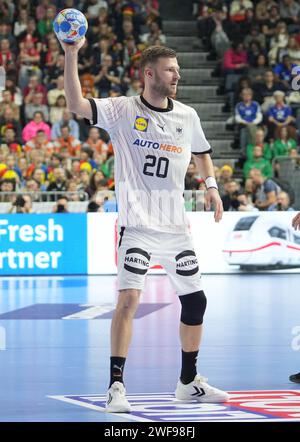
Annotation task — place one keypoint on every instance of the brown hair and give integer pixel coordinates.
(153, 53)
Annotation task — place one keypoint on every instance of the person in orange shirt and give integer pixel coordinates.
(40, 142)
(95, 142)
(67, 142)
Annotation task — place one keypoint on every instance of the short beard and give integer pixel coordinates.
(160, 88)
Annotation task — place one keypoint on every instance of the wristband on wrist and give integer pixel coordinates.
(211, 182)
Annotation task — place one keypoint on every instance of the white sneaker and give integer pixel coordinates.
(198, 390)
(116, 401)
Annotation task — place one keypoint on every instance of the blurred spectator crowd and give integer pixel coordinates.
(257, 48)
(44, 149)
(46, 152)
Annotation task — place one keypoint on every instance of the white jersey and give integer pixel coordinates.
(153, 149)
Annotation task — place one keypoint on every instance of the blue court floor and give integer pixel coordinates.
(54, 349)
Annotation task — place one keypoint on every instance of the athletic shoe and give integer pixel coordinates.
(116, 401)
(295, 378)
(198, 390)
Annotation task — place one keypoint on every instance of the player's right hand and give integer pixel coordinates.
(296, 222)
(74, 47)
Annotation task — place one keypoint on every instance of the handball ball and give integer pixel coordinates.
(70, 25)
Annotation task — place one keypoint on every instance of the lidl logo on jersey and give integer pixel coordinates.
(40, 244)
(243, 406)
(141, 123)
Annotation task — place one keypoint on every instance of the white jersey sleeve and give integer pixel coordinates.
(199, 143)
(108, 112)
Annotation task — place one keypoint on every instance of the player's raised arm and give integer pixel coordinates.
(75, 101)
(206, 168)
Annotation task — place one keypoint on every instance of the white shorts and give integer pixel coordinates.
(140, 248)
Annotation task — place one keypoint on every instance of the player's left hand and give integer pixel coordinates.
(212, 198)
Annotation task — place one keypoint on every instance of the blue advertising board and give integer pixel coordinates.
(46, 244)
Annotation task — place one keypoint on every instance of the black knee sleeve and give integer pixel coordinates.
(193, 308)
